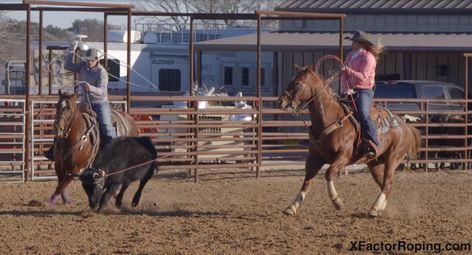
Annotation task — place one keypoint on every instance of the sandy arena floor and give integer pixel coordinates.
(234, 213)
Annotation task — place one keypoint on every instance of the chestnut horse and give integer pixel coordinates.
(77, 139)
(334, 138)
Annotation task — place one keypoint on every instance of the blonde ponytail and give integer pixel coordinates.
(376, 49)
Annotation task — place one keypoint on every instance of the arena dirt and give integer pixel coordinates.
(231, 212)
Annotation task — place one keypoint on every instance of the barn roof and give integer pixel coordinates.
(292, 41)
(349, 6)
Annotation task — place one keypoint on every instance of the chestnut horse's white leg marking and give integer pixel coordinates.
(379, 205)
(293, 208)
(333, 195)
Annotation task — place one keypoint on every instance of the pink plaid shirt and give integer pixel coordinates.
(360, 71)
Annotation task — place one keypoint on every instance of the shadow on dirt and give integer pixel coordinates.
(88, 213)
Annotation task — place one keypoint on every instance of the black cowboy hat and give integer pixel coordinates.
(360, 36)
(90, 54)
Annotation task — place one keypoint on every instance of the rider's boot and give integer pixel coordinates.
(372, 150)
(49, 154)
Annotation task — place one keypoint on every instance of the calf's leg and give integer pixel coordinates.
(119, 197)
(105, 198)
(137, 195)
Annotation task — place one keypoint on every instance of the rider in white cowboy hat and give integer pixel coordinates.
(358, 75)
(94, 79)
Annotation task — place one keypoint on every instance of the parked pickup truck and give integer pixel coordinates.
(419, 89)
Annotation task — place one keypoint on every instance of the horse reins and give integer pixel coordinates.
(296, 111)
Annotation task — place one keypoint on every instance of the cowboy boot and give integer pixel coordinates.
(49, 154)
(372, 150)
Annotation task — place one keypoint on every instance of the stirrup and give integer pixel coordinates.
(49, 154)
(372, 150)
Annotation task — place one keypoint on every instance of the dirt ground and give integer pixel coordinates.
(231, 212)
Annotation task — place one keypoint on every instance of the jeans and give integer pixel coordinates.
(363, 104)
(103, 112)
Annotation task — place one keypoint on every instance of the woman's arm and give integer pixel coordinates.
(366, 68)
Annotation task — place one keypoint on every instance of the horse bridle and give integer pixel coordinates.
(292, 97)
(300, 107)
(57, 122)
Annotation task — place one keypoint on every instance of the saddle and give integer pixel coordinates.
(382, 116)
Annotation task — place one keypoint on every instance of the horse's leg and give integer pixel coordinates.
(312, 165)
(65, 197)
(340, 163)
(381, 202)
(52, 200)
(376, 169)
(60, 182)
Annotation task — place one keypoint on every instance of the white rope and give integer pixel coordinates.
(114, 59)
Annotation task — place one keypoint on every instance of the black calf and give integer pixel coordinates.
(117, 165)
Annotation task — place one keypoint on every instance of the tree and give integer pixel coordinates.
(58, 32)
(205, 6)
(93, 28)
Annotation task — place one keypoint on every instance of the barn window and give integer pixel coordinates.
(169, 80)
(228, 75)
(263, 74)
(245, 76)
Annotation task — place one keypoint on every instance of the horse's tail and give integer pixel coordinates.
(414, 148)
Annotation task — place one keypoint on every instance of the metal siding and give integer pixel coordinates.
(308, 58)
(451, 61)
(298, 58)
(399, 64)
(442, 60)
(382, 4)
(421, 70)
(431, 61)
(390, 64)
(414, 66)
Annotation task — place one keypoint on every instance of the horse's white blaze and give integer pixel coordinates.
(332, 191)
(381, 202)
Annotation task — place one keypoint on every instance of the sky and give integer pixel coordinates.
(65, 19)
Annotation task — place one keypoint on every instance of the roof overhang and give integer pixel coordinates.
(297, 41)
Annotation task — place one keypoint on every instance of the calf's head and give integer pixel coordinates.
(93, 182)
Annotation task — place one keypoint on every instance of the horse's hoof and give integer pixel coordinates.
(373, 213)
(291, 210)
(69, 202)
(51, 201)
(338, 203)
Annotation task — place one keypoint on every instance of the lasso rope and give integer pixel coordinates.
(324, 58)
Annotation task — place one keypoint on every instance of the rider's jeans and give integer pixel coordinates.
(103, 112)
(363, 104)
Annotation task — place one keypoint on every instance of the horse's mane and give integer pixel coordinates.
(84, 108)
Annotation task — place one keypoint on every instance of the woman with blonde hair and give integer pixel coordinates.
(358, 76)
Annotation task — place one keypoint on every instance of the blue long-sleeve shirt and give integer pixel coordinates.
(97, 77)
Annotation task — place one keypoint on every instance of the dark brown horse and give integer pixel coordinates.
(334, 138)
(77, 139)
